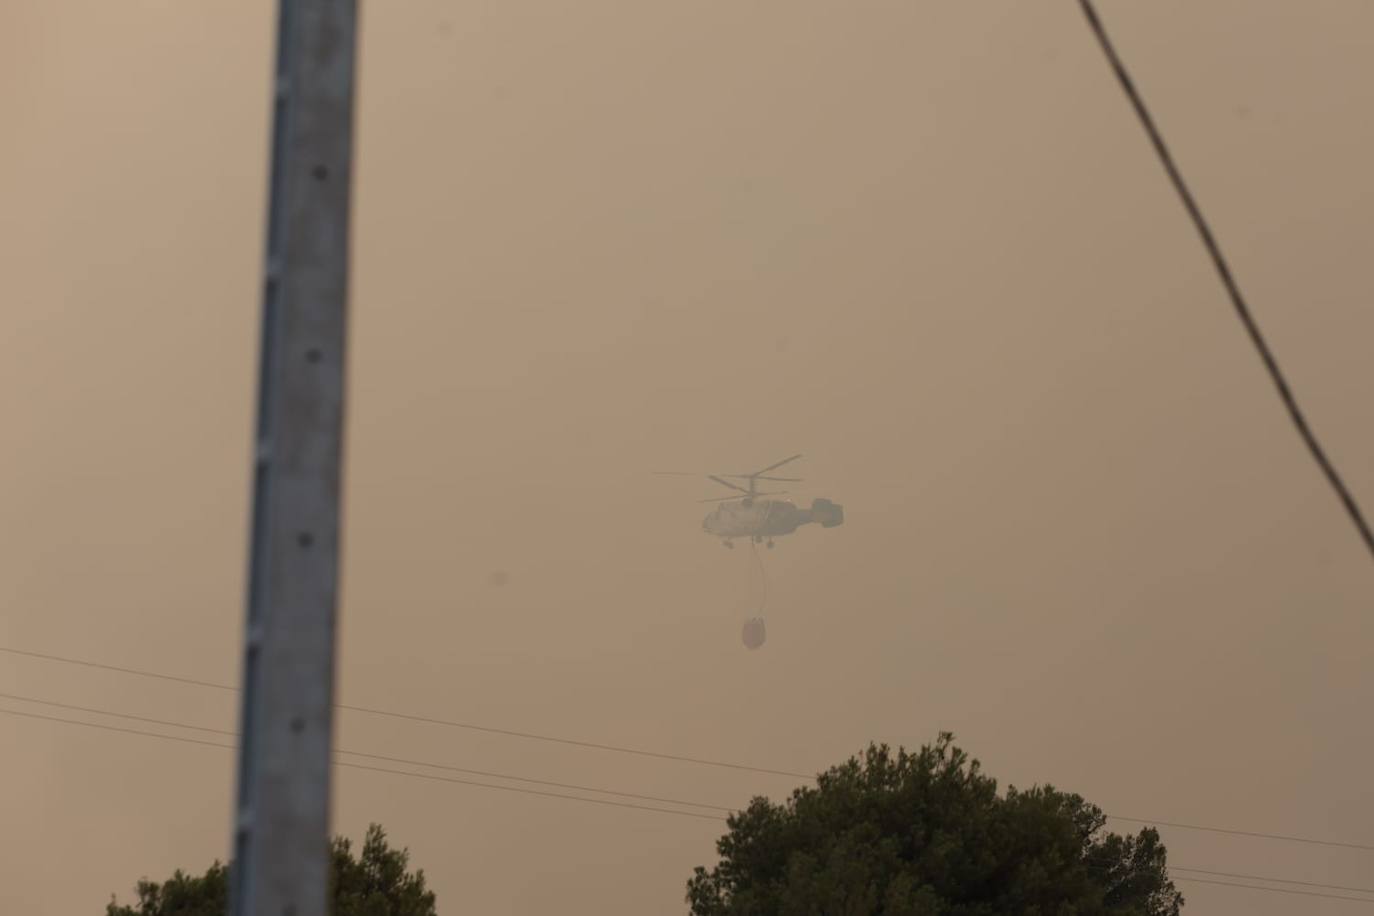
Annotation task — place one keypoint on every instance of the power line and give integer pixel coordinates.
(597, 801)
(429, 720)
(1250, 833)
(369, 756)
(531, 736)
(115, 728)
(1275, 890)
(359, 766)
(1227, 874)
(1228, 280)
(1108, 871)
(466, 782)
(104, 667)
(608, 747)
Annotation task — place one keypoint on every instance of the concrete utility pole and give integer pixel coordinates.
(281, 827)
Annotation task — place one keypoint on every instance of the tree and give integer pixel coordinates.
(374, 884)
(926, 834)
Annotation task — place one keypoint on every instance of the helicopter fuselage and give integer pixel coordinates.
(755, 518)
(768, 518)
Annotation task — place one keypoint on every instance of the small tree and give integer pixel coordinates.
(375, 884)
(926, 834)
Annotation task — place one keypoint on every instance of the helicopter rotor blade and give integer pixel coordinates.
(726, 483)
(731, 499)
(774, 466)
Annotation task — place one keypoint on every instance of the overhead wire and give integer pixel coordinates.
(1288, 838)
(1172, 870)
(1228, 280)
(1228, 874)
(367, 755)
(358, 766)
(545, 794)
(1274, 890)
(1281, 837)
(429, 720)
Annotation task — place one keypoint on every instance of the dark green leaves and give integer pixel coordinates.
(927, 834)
(374, 884)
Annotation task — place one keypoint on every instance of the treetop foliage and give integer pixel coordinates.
(927, 834)
(376, 883)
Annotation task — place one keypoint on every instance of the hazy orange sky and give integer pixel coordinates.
(924, 243)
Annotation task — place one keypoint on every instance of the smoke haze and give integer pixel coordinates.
(925, 244)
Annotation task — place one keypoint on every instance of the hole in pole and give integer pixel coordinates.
(320, 172)
(305, 539)
(314, 355)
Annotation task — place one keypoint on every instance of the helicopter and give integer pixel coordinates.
(749, 514)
